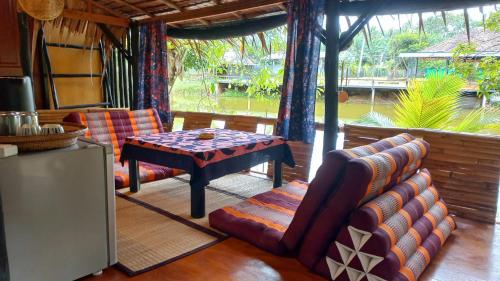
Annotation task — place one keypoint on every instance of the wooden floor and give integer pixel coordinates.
(472, 253)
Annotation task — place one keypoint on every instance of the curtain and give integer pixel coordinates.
(153, 71)
(297, 104)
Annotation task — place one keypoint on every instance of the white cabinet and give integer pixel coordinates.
(59, 213)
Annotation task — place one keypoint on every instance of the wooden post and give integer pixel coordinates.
(48, 67)
(372, 99)
(331, 75)
(134, 44)
(25, 45)
(416, 69)
(42, 69)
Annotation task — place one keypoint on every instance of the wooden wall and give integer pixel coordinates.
(78, 90)
(10, 59)
(465, 167)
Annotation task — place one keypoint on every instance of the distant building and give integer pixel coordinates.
(487, 43)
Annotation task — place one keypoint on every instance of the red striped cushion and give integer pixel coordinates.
(364, 179)
(263, 219)
(113, 127)
(148, 172)
(326, 181)
(393, 236)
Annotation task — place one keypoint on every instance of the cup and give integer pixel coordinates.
(29, 117)
(29, 130)
(50, 129)
(10, 122)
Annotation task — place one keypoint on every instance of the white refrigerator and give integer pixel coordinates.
(58, 212)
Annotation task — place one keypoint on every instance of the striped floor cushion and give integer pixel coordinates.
(148, 173)
(113, 127)
(392, 237)
(263, 219)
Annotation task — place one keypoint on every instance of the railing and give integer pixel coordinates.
(465, 167)
(302, 152)
(193, 120)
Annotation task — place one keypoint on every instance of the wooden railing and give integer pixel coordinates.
(302, 152)
(465, 167)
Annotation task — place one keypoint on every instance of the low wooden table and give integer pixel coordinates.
(229, 152)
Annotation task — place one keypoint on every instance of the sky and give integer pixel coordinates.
(391, 22)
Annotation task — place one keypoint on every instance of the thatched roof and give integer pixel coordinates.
(487, 43)
(82, 15)
(189, 13)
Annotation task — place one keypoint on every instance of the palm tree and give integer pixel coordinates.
(435, 103)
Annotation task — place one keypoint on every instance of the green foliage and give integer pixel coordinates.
(434, 103)
(488, 67)
(429, 104)
(265, 82)
(480, 119)
(407, 42)
(377, 119)
(461, 64)
(493, 22)
(489, 82)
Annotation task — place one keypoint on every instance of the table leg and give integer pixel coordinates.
(134, 176)
(277, 174)
(197, 201)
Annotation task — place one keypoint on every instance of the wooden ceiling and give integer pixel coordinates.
(195, 13)
(183, 13)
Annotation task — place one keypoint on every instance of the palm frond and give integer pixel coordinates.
(436, 86)
(478, 120)
(431, 103)
(377, 119)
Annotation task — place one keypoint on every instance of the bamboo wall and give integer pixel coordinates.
(465, 167)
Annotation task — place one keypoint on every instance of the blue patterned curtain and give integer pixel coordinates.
(153, 70)
(296, 112)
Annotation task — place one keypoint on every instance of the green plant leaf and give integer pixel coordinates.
(377, 119)
(431, 103)
(479, 120)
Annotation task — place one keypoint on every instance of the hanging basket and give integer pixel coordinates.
(42, 9)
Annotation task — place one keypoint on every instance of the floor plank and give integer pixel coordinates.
(471, 253)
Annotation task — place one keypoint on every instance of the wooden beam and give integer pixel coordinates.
(356, 8)
(96, 18)
(179, 9)
(114, 40)
(347, 37)
(171, 4)
(48, 66)
(233, 29)
(227, 8)
(105, 8)
(134, 47)
(331, 76)
(133, 7)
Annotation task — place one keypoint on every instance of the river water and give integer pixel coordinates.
(268, 107)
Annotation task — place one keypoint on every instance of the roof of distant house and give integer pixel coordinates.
(487, 44)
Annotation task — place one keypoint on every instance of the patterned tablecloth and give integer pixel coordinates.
(228, 152)
(184, 150)
(226, 144)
